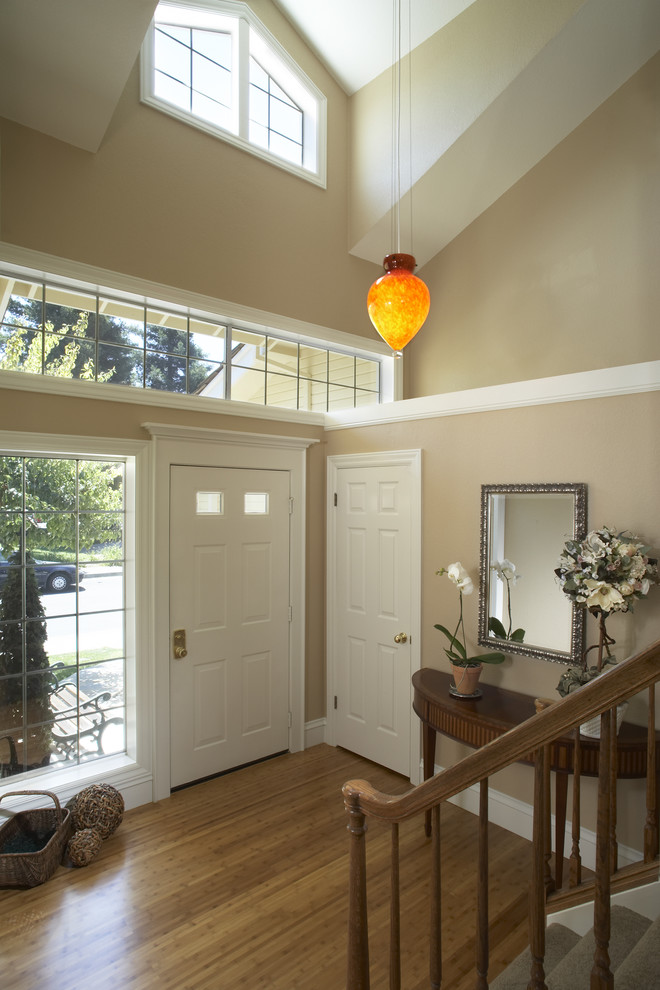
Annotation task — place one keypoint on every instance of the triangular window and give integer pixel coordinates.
(211, 63)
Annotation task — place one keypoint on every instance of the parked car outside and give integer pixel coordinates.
(50, 576)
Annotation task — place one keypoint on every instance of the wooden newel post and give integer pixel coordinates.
(357, 975)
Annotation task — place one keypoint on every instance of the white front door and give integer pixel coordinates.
(229, 599)
(374, 622)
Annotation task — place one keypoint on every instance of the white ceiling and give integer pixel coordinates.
(343, 51)
(490, 112)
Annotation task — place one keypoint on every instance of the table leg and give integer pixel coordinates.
(561, 790)
(428, 751)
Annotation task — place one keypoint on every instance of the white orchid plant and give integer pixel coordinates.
(506, 572)
(457, 651)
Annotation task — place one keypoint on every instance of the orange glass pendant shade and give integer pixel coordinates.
(398, 302)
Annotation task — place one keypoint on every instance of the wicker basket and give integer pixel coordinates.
(32, 842)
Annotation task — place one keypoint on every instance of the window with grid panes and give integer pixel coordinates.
(62, 611)
(213, 64)
(64, 332)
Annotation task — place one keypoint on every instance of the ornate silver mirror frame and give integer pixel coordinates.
(527, 524)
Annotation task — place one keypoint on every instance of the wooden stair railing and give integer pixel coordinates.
(533, 736)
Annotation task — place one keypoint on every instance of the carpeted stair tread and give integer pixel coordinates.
(574, 971)
(641, 969)
(559, 940)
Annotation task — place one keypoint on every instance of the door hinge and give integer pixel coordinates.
(291, 506)
(290, 613)
(290, 719)
(335, 701)
(335, 500)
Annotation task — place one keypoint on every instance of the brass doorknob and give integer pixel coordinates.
(400, 638)
(179, 644)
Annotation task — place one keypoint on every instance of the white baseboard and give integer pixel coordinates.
(315, 732)
(644, 900)
(517, 817)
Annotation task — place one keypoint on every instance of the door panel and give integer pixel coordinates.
(372, 603)
(229, 590)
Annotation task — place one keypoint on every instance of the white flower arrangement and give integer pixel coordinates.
(607, 571)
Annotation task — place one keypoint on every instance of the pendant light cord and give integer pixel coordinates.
(397, 125)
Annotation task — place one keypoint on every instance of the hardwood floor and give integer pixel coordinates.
(242, 882)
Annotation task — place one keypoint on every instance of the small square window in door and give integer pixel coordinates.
(255, 503)
(210, 503)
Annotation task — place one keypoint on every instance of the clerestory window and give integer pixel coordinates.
(78, 333)
(213, 64)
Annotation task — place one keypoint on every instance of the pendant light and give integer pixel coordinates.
(398, 302)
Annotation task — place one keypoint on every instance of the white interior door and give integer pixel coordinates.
(373, 640)
(229, 593)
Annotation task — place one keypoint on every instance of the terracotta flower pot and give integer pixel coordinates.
(466, 679)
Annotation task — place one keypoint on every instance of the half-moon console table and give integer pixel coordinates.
(476, 721)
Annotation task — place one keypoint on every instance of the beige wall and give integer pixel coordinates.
(33, 412)
(611, 444)
(560, 274)
(163, 201)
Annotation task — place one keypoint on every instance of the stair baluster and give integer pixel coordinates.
(395, 914)
(576, 858)
(435, 962)
(614, 845)
(482, 890)
(601, 974)
(537, 888)
(651, 827)
(549, 880)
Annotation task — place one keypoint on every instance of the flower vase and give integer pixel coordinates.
(466, 680)
(591, 729)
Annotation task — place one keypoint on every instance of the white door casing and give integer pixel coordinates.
(223, 448)
(229, 580)
(374, 562)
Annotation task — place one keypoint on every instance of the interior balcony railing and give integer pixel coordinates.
(533, 736)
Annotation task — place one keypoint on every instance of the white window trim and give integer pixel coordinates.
(309, 96)
(131, 773)
(26, 263)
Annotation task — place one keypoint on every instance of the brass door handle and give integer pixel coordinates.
(179, 644)
(401, 638)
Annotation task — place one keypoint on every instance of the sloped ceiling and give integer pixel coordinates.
(64, 63)
(496, 84)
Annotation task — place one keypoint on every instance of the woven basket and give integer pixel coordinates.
(32, 842)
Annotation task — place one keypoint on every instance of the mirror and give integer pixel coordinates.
(521, 607)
